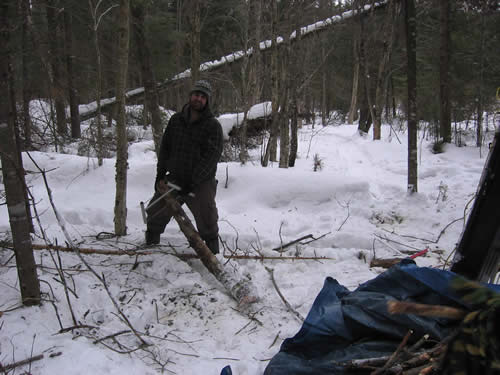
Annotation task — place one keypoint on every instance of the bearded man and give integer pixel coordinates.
(190, 150)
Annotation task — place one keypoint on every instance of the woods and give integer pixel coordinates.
(365, 61)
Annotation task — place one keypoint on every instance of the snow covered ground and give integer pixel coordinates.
(354, 208)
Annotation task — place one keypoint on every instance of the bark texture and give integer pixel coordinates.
(13, 174)
(241, 290)
(120, 210)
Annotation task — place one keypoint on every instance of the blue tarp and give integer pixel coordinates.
(344, 325)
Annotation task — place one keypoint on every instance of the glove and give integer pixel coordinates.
(161, 184)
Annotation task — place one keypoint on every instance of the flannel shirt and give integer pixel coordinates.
(189, 152)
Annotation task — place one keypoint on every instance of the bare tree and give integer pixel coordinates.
(54, 24)
(194, 19)
(411, 51)
(70, 57)
(381, 83)
(13, 174)
(97, 17)
(148, 77)
(271, 147)
(444, 67)
(120, 211)
(26, 47)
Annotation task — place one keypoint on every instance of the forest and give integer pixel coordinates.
(405, 62)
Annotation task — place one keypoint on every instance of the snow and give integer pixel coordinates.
(355, 206)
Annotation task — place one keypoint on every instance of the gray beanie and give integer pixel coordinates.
(202, 86)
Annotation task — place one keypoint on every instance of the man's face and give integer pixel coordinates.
(198, 100)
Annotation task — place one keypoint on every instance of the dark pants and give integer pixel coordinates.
(202, 205)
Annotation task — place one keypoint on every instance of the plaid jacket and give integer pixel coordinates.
(189, 152)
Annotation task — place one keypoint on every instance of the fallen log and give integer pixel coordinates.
(241, 290)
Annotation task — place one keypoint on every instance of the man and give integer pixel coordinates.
(190, 150)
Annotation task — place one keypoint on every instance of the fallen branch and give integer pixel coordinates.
(289, 307)
(394, 355)
(179, 255)
(280, 248)
(26, 361)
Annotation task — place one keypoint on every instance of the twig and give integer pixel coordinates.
(271, 272)
(280, 248)
(75, 249)
(111, 336)
(394, 355)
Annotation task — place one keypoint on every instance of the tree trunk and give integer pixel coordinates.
(26, 48)
(241, 290)
(444, 75)
(294, 77)
(194, 37)
(353, 109)
(479, 133)
(120, 210)
(381, 85)
(98, 121)
(13, 175)
(148, 77)
(411, 50)
(73, 94)
(270, 153)
(365, 70)
(57, 85)
(286, 84)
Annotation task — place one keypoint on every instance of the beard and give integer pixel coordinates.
(196, 104)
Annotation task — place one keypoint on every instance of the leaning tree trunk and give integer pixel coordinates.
(70, 57)
(241, 290)
(444, 71)
(120, 210)
(150, 89)
(411, 51)
(13, 174)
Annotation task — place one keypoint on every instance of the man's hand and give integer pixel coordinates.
(161, 186)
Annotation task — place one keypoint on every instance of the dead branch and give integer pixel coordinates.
(76, 250)
(111, 336)
(289, 307)
(385, 263)
(394, 355)
(280, 248)
(398, 307)
(27, 361)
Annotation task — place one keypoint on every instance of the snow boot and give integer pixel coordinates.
(152, 238)
(213, 245)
